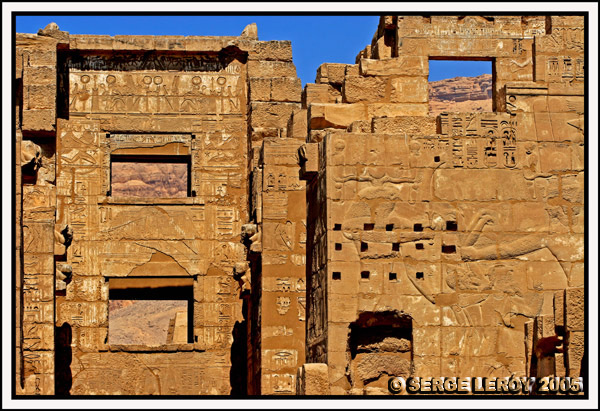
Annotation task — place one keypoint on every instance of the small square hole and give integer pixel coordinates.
(369, 227)
(418, 227)
(451, 226)
(420, 275)
(448, 249)
(364, 246)
(338, 246)
(365, 275)
(436, 159)
(337, 227)
(395, 246)
(389, 227)
(393, 276)
(419, 246)
(336, 275)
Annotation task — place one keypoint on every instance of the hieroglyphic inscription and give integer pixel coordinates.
(564, 69)
(283, 305)
(148, 61)
(154, 92)
(469, 150)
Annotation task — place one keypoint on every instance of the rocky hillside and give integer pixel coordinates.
(461, 94)
(162, 180)
(143, 322)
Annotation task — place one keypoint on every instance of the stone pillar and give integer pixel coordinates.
(38, 289)
(283, 299)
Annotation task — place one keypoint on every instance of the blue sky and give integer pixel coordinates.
(315, 39)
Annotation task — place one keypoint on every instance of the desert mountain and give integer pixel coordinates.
(144, 322)
(461, 94)
(162, 180)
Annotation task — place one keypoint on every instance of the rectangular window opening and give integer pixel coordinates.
(393, 276)
(337, 227)
(365, 275)
(150, 176)
(364, 246)
(336, 275)
(369, 227)
(461, 84)
(395, 246)
(150, 311)
(338, 246)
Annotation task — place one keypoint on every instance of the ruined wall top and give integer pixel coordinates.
(247, 41)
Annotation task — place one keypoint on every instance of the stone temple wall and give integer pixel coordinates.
(448, 245)
(320, 240)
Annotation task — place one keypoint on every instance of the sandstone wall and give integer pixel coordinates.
(453, 238)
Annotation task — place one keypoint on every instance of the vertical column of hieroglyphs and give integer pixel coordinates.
(283, 266)
(36, 194)
(279, 210)
(82, 305)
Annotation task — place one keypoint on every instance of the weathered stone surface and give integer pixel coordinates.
(320, 93)
(368, 89)
(400, 66)
(334, 115)
(285, 89)
(271, 115)
(297, 125)
(265, 68)
(574, 303)
(404, 124)
(271, 50)
(332, 73)
(313, 379)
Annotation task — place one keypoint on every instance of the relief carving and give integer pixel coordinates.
(154, 92)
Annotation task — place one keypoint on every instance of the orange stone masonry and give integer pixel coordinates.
(312, 241)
